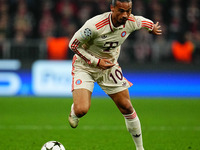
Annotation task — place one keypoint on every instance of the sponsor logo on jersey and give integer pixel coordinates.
(123, 34)
(78, 82)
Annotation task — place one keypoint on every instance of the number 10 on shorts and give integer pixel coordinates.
(117, 74)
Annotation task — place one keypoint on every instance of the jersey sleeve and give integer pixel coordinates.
(82, 36)
(142, 22)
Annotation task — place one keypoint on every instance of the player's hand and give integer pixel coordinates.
(105, 64)
(156, 29)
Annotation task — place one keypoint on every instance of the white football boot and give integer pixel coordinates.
(73, 119)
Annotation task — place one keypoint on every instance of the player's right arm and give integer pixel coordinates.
(105, 64)
(76, 44)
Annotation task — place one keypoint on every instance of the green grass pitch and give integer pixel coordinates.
(26, 123)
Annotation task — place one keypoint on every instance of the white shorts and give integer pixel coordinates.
(110, 80)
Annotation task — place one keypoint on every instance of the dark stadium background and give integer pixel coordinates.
(35, 77)
(166, 65)
(40, 30)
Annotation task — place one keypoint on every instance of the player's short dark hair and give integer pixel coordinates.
(114, 1)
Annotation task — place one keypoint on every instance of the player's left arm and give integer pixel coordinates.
(142, 22)
(156, 29)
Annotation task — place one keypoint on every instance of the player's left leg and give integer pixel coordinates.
(123, 102)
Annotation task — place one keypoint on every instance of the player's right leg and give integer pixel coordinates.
(80, 106)
(82, 87)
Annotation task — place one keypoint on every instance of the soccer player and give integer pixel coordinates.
(97, 47)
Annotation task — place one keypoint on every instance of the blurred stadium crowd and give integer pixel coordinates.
(26, 26)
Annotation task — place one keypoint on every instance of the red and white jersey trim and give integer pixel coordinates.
(74, 46)
(73, 68)
(147, 24)
(102, 23)
(131, 19)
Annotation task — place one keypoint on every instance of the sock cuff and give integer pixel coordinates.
(130, 116)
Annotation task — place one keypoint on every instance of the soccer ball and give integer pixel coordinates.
(53, 145)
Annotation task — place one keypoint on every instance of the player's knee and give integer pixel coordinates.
(81, 110)
(126, 109)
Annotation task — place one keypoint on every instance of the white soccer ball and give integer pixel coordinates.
(53, 145)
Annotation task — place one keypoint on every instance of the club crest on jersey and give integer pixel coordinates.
(123, 34)
(78, 82)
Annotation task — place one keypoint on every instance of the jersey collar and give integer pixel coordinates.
(112, 27)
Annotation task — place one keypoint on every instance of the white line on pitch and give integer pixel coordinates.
(102, 128)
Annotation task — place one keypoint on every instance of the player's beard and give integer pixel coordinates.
(119, 21)
(122, 21)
